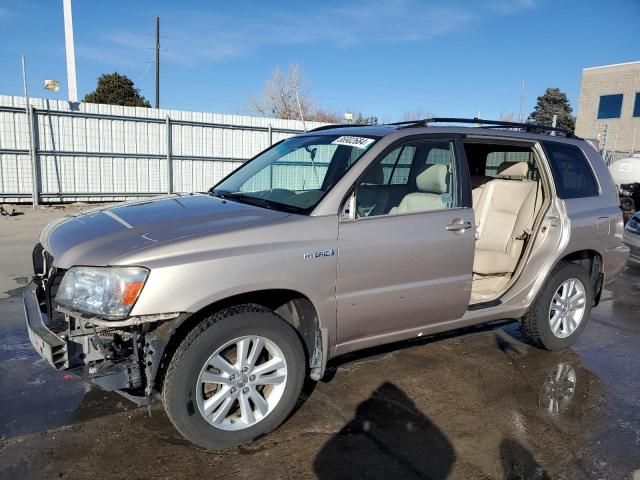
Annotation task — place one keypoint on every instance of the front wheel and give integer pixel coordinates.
(562, 309)
(234, 378)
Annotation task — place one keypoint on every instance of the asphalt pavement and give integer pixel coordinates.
(474, 403)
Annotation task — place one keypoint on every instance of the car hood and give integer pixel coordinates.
(99, 236)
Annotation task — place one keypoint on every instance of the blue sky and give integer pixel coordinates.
(448, 57)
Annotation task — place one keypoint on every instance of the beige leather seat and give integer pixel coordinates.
(431, 184)
(372, 195)
(504, 217)
(477, 184)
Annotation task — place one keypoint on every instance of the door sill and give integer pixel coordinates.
(481, 305)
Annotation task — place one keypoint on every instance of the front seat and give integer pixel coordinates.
(431, 184)
(372, 195)
(505, 214)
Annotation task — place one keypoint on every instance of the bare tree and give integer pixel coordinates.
(509, 117)
(415, 114)
(283, 97)
(324, 116)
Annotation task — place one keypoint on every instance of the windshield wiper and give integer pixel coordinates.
(240, 197)
(256, 201)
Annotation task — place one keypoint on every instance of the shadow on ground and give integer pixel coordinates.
(388, 438)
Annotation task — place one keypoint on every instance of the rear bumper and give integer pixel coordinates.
(614, 259)
(50, 346)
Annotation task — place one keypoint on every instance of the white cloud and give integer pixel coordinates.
(107, 57)
(196, 37)
(506, 7)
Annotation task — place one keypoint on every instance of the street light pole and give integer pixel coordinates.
(72, 86)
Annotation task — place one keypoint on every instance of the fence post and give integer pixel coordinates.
(270, 135)
(33, 153)
(169, 159)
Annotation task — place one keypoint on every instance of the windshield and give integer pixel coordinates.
(295, 174)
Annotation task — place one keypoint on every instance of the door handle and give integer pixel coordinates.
(456, 227)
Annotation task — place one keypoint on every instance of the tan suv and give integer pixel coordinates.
(336, 240)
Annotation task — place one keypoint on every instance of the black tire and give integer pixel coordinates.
(535, 323)
(180, 385)
(627, 204)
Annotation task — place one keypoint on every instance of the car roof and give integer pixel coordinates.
(354, 130)
(380, 131)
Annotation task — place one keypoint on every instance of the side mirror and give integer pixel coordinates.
(348, 212)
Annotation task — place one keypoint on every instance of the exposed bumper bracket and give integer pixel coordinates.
(49, 345)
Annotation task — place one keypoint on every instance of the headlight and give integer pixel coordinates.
(105, 291)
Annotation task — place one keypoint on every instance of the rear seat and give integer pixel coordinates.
(477, 184)
(504, 210)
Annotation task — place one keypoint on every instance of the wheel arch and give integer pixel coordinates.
(591, 261)
(293, 307)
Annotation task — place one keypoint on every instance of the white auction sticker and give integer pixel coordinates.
(358, 142)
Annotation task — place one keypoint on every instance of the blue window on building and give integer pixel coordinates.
(636, 106)
(610, 106)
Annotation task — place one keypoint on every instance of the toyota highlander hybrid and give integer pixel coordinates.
(332, 241)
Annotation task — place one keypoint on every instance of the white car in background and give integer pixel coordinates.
(632, 238)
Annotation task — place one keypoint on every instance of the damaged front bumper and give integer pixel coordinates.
(118, 358)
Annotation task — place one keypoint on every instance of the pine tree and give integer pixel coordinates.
(554, 102)
(116, 89)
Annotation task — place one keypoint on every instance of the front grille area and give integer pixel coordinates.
(42, 261)
(49, 278)
(38, 260)
(57, 322)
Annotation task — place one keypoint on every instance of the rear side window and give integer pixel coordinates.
(571, 171)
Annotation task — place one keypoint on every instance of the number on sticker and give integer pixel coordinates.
(357, 142)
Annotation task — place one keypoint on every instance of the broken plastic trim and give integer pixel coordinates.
(127, 322)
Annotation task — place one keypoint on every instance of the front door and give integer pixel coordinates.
(406, 260)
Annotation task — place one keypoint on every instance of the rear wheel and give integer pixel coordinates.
(561, 311)
(234, 378)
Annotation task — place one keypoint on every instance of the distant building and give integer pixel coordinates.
(609, 109)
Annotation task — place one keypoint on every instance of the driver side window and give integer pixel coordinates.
(414, 177)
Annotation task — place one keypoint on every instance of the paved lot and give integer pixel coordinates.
(476, 403)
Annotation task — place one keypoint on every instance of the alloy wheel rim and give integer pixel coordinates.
(241, 383)
(567, 308)
(558, 389)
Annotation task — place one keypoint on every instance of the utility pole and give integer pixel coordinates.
(157, 61)
(522, 102)
(72, 86)
(32, 151)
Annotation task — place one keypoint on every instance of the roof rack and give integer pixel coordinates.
(337, 125)
(528, 127)
(403, 122)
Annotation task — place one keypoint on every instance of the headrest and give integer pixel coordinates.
(513, 169)
(375, 175)
(433, 179)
